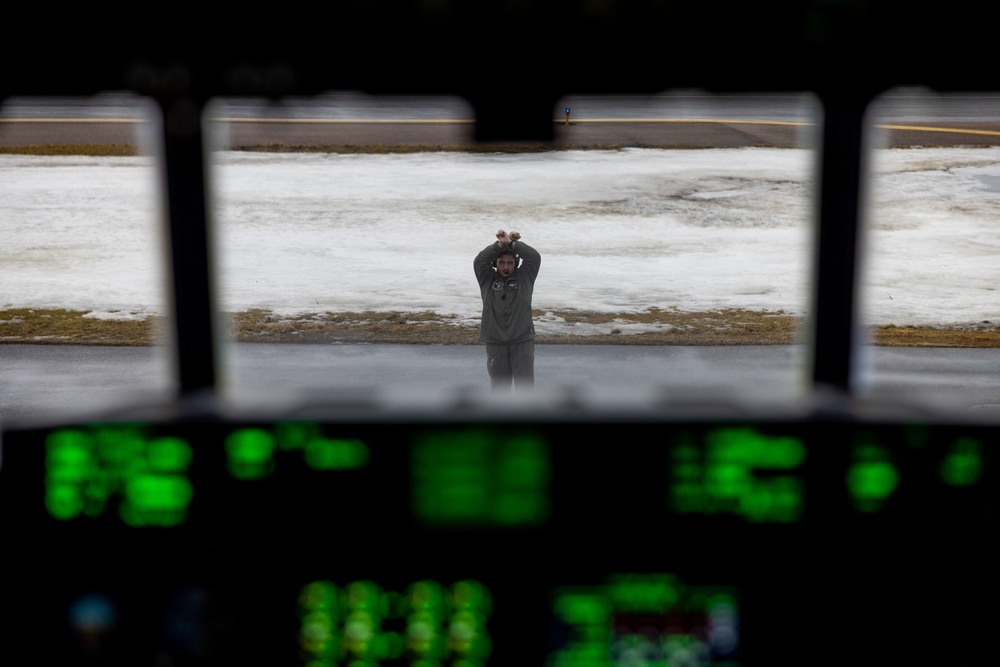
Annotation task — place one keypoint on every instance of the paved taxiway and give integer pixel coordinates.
(41, 380)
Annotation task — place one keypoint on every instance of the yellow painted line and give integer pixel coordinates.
(953, 130)
(578, 121)
(682, 120)
(917, 128)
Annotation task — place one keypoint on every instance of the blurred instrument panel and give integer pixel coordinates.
(467, 543)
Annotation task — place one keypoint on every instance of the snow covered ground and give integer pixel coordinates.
(618, 231)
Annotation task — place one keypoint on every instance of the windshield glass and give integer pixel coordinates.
(931, 248)
(82, 263)
(673, 231)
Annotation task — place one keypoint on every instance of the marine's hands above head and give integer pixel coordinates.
(503, 238)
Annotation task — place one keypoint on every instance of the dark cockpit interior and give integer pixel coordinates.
(190, 532)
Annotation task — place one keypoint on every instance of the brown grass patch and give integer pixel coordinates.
(984, 334)
(569, 327)
(261, 326)
(73, 327)
(93, 150)
(659, 327)
(382, 149)
(675, 327)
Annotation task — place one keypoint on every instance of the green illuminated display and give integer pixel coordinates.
(645, 592)
(872, 477)
(86, 468)
(963, 464)
(426, 624)
(479, 476)
(739, 471)
(646, 619)
(251, 451)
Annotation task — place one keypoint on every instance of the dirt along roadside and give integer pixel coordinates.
(650, 327)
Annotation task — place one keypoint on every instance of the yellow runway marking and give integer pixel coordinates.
(578, 121)
(916, 128)
(683, 120)
(953, 130)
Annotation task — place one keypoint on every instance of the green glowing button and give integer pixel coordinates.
(168, 454)
(63, 501)
(583, 608)
(156, 500)
(644, 592)
(295, 434)
(471, 594)
(963, 465)
(871, 482)
(872, 479)
(321, 597)
(251, 453)
(335, 454)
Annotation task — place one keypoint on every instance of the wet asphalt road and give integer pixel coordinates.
(246, 133)
(680, 120)
(50, 380)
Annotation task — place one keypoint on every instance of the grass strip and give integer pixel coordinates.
(651, 327)
(66, 150)
(75, 327)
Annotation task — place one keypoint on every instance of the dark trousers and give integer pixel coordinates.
(511, 363)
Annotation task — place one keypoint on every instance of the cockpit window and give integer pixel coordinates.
(931, 248)
(674, 232)
(82, 280)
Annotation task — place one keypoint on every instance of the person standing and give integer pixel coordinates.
(506, 271)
